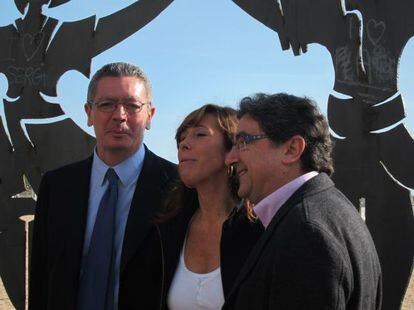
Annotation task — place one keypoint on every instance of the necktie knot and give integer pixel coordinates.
(111, 176)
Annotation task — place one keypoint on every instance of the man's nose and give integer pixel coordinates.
(120, 111)
(231, 157)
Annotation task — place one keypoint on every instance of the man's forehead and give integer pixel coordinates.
(248, 125)
(111, 79)
(112, 97)
(125, 86)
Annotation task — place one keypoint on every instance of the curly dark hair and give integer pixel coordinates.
(282, 116)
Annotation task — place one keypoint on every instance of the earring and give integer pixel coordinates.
(230, 170)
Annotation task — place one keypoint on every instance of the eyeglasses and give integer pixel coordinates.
(242, 139)
(108, 106)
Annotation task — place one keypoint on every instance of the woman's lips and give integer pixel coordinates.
(186, 162)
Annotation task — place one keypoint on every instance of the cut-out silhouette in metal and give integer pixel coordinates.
(33, 60)
(374, 151)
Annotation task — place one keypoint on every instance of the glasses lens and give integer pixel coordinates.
(133, 107)
(240, 141)
(106, 106)
(129, 107)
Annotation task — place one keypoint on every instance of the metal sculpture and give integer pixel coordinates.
(374, 151)
(33, 60)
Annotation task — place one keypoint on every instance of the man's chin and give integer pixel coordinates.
(118, 148)
(118, 142)
(243, 193)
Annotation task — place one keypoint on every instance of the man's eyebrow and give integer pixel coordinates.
(109, 98)
(133, 98)
(106, 98)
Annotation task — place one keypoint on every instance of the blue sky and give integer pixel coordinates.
(197, 52)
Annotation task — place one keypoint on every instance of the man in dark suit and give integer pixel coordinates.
(316, 251)
(93, 218)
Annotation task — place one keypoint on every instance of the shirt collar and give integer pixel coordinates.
(268, 206)
(126, 170)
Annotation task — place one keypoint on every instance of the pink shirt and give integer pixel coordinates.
(268, 206)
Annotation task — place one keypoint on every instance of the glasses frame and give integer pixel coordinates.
(114, 107)
(246, 139)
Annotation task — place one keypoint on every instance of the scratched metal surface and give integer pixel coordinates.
(33, 62)
(374, 151)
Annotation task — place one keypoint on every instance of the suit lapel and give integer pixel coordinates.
(76, 200)
(258, 248)
(320, 182)
(144, 205)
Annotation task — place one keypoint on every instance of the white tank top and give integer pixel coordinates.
(192, 291)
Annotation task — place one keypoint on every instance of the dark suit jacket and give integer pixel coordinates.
(316, 253)
(59, 229)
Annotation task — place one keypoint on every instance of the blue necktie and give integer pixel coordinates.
(96, 289)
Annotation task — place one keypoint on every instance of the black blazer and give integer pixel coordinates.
(316, 253)
(59, 229)
(239, 235)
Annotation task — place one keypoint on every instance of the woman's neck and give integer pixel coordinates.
(215, 201)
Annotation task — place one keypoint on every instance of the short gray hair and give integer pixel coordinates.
(118, 69)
